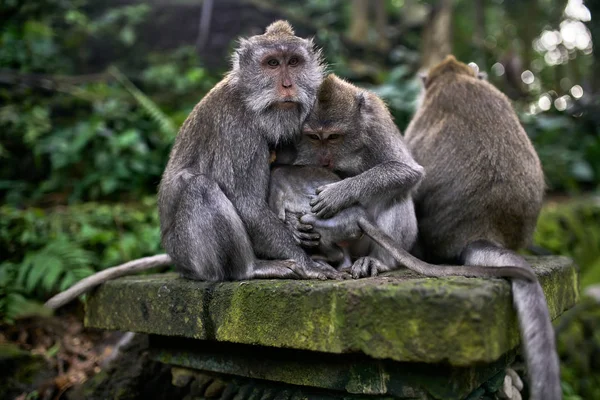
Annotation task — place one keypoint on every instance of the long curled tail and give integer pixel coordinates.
(409, 261)
(534, 320)
(129, 268)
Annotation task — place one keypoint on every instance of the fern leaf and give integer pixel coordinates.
(152, 109)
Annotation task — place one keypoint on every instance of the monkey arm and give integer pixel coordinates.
(271, 239)
(391, 178)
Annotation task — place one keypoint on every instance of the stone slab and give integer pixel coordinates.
(342, 373)
(401, 316)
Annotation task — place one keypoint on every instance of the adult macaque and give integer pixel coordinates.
(481, 196)
(212, 198)
(290, 193)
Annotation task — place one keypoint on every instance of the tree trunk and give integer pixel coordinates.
(437, 35)
(381, 20)
(479, 36)
(359, 26)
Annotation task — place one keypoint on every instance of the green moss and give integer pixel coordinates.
(400, 316)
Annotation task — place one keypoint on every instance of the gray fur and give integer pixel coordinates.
(212, 197)
(290, 193)
(369, 153)
(481, 197)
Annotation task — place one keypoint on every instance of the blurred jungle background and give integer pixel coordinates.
(92, 94)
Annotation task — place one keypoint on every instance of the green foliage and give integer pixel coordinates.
(400, 90)
(569, 150)
(578, 342)
(66, 138)
(573, 229)
(46, 251)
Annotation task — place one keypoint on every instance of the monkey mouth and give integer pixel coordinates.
(286, 104)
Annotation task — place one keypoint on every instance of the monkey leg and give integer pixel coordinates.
(398, 220)
(208, 240)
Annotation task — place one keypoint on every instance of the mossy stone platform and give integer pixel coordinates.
(438, 338)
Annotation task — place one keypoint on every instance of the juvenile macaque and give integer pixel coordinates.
(481, 196)
(293, 187)
(212, 197)
(351, 132)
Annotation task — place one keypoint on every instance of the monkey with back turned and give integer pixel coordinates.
(481, 196)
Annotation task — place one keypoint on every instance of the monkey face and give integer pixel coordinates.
(320, 145)
(279, 75)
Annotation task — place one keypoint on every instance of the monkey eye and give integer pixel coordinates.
(312, 136)
(335, 136)
(293, 61)
(273, 63)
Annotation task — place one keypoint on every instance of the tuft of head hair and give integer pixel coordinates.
(280, 28)
(449, 65)
(334, 91)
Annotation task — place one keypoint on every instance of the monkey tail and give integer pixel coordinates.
(409, 261)
(534, 320)
(129, 268)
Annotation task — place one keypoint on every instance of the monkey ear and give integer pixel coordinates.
(423, 78)
(240, 53)
(361, 101)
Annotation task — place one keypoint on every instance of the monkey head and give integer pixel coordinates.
(334, 131)
(449, 69)
(449, 66)
(278, 74)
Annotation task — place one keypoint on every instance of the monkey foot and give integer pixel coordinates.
(366, 266)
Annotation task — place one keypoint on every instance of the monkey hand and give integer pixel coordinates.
(317, 270)
(303, 233)
(367, 266)
(330, 200)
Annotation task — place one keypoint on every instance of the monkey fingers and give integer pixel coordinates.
(345, 271)
(309, 240)
(367, 266)
(303, 234)
(320, 270)
(330, 200)
(267, 269)
(294, 221)
(336, 274)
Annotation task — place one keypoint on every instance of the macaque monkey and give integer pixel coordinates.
(212, 204)
(351, 132)
(293, 187)
(214, 216)
(481, 196)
